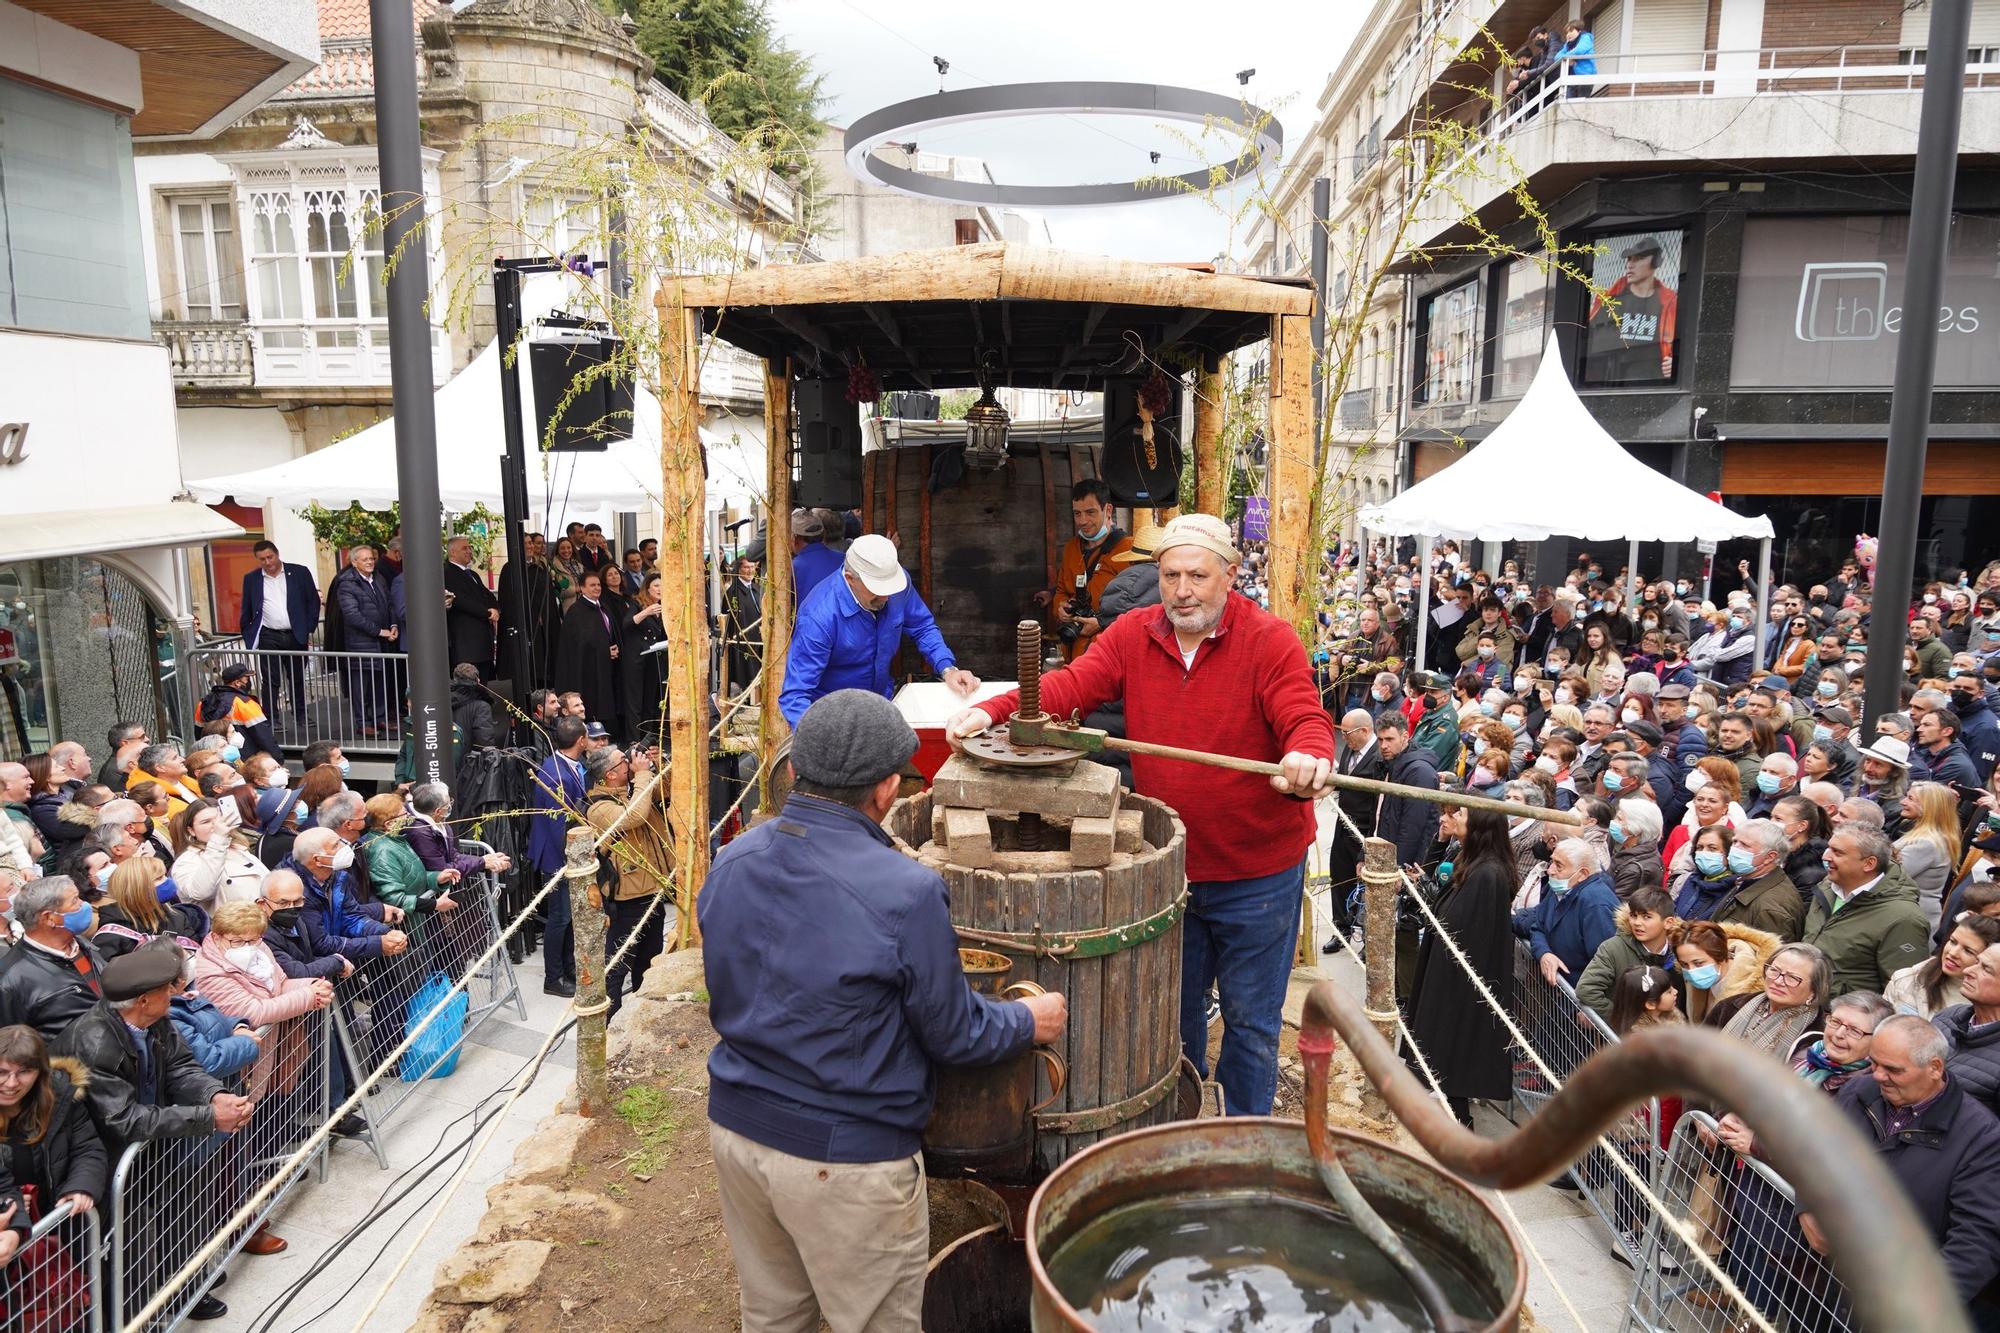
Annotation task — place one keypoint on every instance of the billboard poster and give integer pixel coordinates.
(1634, 314)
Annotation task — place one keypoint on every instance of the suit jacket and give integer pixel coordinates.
(558, 779)
(365, 611)
(1360, 805)
(595, 559)
(469, 622)
(301, 603)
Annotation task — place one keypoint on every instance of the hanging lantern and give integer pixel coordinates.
(986, 424)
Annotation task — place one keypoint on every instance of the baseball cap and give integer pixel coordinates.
(871, 558)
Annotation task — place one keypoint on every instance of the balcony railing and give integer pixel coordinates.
(206, 354)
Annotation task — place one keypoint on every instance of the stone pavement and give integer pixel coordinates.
(428, 1132)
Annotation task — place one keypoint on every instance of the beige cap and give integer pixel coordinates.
(871, 558)
(1145, 545)
(1203, 530)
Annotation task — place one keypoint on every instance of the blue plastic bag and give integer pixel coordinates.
(435, 1052)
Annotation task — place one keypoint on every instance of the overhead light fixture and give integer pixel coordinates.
(1243, 76)
(986, 424)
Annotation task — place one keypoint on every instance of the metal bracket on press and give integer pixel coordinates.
(1080, 943)
(1104, 1117)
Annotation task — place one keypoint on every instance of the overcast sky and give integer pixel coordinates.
(875, 52)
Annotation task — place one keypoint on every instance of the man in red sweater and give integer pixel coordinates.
(1208, 670)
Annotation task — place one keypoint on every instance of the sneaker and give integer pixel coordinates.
(1625, 1247)
(1214, 1009)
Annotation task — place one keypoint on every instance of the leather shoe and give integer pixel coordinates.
(350, 1126)
(208, 1307)
(265, 1241)
(566, 989)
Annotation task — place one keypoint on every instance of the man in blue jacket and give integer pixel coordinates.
(1578, 912)
(834, 984)
(849, 628)
(558, 795)
(280, 611)
(336, 921)
(812, 559)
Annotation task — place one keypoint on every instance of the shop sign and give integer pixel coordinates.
(13, 442)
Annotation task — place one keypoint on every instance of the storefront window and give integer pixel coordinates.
(81, 647)
(1523, 298)
(1637, 280)
(1451, 366)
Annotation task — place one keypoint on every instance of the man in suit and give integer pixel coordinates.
(471, 610)
(559, 793)
(540, 600)
(368, 627)
(593, 553)
(280, 611)
(1360, 757)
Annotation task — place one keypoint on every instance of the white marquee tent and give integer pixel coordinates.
(470, 443)
(1508, 488)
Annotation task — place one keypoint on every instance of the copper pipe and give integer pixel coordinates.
(1884, 1254)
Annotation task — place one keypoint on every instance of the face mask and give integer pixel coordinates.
(1486, 708)
(231, 753)
(1703, 977)
(248, 957)
(1767, 783)
(1523, 685)
(1826, 689)
(1740, 860)
(284, 918)
(1613, 780)
(1478, 745)
(1557, 884)
(1565, 695)
(343, 857)
(1963, 699)
(1710, 864)
(78, 921)
(1680, 589)
(1822, 733)
(1483, 777)
(1651, 622)
(1092, 538)
(1616, 832)
(1547, 763)
(1736, 622)
(167, 890)
(1381, 696)
(1930, 599)
(1515, 722)
(1486, 651)
(300, 811)
(344, 766)
(1631, 714)
(277, 778)
(103, 876)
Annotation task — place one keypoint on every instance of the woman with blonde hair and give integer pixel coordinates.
(140, 905)
(1928, 852)
(1566, 715)
(1715, 788)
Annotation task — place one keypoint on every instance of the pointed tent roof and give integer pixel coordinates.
(1508, 488)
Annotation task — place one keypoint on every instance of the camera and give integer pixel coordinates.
(1076, 609)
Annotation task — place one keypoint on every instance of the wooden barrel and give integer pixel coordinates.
(1110, 941)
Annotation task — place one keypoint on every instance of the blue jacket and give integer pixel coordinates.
(834, 985)
(1979, 732)
(812, 565)
(558, 776)
(297, 956)
(1577, 54)
(211, 1036)
(836, 645)
(365, 611)
(301, 603)
(334, 921)
(1571, 925)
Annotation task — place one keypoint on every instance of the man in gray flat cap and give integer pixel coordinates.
(834, 985)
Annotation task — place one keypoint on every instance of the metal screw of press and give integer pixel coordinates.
(1028, 664)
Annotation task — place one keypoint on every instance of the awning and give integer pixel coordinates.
(62, 532)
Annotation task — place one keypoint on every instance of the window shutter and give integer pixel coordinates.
(1677, 30)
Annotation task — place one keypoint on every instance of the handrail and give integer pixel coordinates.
(1885, 1255)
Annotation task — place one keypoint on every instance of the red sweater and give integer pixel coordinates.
(1249, 694)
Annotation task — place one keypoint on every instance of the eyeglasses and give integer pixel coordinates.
(1783, 978)
(1848, 1028)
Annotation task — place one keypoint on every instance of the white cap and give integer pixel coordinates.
(871, 558)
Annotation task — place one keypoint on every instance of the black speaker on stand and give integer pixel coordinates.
(561, 348)
(829, 446)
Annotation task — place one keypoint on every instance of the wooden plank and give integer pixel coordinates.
(889, 482)
(1049, 516)
(1211, 460)
(957, 273)
(924, 528)
(1291, 482)
(683, 504)
(1042, 273)
(1121, 1062)
(1086, 997)
(1950, 468)
(772, 728)
(869, 462)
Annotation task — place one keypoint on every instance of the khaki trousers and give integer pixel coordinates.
(847, 1240)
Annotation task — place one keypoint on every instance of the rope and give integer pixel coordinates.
(1678, 1226)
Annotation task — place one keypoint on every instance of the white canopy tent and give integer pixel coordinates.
(470, 444)
(1501, 490)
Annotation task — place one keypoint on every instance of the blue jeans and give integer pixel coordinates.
(1240, 935)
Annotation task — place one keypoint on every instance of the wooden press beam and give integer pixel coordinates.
(1289, 479)
(683, 505)
(1211, 464)
(778, 598)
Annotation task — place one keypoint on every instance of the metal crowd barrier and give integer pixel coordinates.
(1565, 1033)
(170, 1196)
(354, 700)
(380, 1002)
(52, 1283)
(1744, 1216)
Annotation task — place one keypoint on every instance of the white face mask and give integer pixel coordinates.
(251, 958)
(1547, 763)
(343, 857)
(1631, 715)
(278, 777)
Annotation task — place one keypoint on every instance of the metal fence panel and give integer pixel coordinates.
(1744, 1216)
(378, 1012)
(170, 1196)
(354, 700)
(54, 1282)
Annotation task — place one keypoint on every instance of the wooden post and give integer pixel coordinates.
(1289, 480)
(592, 1006)
(868, 462)
(771, 727)
(683, 503)
(1211, 465)
(924, 528)
(1379, 883)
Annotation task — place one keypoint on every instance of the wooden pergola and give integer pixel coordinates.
(928, 319)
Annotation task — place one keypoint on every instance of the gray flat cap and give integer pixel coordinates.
(850, 739)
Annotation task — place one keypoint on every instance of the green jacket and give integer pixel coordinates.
(1771, 904)
(1933, 658)
(1437, 731)
(1872, 938)
(1612, 960)
(399, 878)
(1747, 762)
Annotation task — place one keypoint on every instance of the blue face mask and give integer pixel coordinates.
(1557, 884)
(1822, 733)
(103, 876)
(1826, 689)
(1709, 864)
(1616, 832)
(230, 754)
(1093, 538)
(1515, 722)
(167, 890)
(344, 765)
(1703, 977)
(1767, 783)
(1740, 860)
(1614, 780)
(1487, 708)
(1736, 622)
(78, 921)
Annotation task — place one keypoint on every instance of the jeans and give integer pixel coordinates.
(1240, 935)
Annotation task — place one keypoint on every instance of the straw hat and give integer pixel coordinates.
(1145, 544)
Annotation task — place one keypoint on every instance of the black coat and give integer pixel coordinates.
(743, 625)
(642, 678)
(173, 1103)
(472, 710)
(539, 593)
(1457, 1031)
(583, 661)
(46, 992)
(364, 610)
(1974, 1062)
(468, 621)
(69, 1158)
(1410, 823)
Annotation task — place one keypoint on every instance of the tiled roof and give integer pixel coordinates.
(347, 62)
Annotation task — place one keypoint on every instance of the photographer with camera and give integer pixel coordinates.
(1085, 569)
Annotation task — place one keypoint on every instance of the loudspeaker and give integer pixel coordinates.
(829, 446)
(560, 348)
(1133, 481)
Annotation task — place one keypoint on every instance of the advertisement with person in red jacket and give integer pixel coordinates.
(1209, 670)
